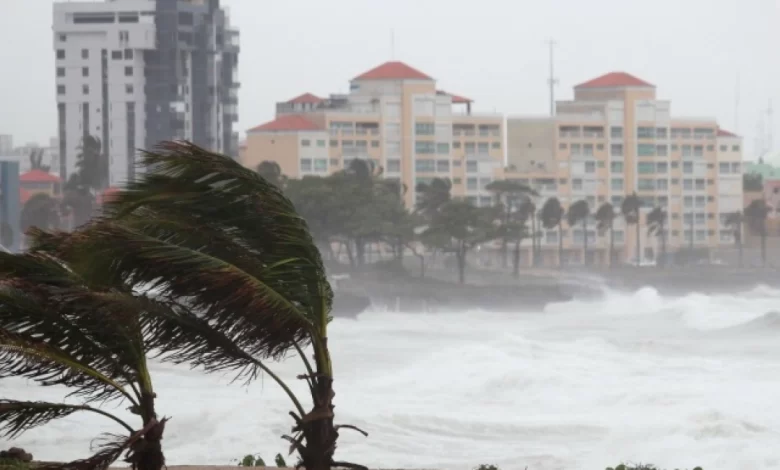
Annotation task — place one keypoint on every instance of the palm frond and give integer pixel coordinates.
(109, 451)
(17, 417)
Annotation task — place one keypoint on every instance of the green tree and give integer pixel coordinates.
(92, 165)
(752, 182)
(656, 225)
(518, 228)
(272, 173)
(630, 209)
(36, 161)
(551, 217)
(57, 328)
(432, 196)
(228, 248)
(580, 212)
(605, 220)
(508, 194)
(755, 215)
(458, 227)
(734, 223)
(41, 211)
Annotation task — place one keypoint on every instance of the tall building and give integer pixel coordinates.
(616, 138)
(6, 144)
(10, 206)
(393, 115)
(135, 72)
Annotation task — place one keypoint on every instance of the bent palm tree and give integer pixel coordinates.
(755, 215)
(55, 329)
(227, 248)
(734, 222)
(630, 210)
(605, 220)
(551, 217)
(656, 222)
(579, 212)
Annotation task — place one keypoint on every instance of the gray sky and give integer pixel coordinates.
(492, 51)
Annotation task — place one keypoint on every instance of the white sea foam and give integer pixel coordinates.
(679, 382)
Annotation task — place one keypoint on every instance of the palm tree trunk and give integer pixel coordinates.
(763, 243)
(738, 241)
(560, 245)
(611, 244)
(663, 246)
(461, 256)
(318, 431)
(585, 241)
(516, 259)
(533, 240)
(146, 453)
(638, 246)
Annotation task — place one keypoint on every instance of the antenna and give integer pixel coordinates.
(552, 81)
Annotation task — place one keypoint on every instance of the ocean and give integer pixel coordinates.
(630, 376)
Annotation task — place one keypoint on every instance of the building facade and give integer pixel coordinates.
(10, 206)
(616, 138)
(395, 116)
(135, 72)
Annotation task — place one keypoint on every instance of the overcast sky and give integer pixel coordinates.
(492, 51)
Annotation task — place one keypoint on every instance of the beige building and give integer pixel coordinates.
(395, 116)
(615, 138)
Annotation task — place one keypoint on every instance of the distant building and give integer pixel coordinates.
(616, 138)
(394, 115)
(10, 206)
(6, 144)
(135, 72)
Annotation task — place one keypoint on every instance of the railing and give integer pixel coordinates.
(598, 135)
(569, 134)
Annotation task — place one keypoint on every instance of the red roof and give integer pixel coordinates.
(393, 71)
(456, 98)
(725, 133)
(24, 195)
(287, 122)
(107, 195)
(306, 98)
(39, 176)
(615, 79)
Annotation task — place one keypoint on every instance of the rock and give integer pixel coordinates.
(16, 453)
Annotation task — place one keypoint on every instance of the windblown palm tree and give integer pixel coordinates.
(58, 329)
(579, 212)
(551, 217)
(225, 245)
(432, 196)
(656, 224)
(630, 210)
(734, 222)
(509, 195)
(272, 173)
(755, 215)
(605, 220)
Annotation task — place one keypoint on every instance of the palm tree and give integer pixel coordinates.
(432, 196)
(36, 160)
(56, 328)
(656, 222)
(755, 215)
(605, 219)
(551, 217)
(92, 164)
(579, 212)
(734, 222)
(630, 210)
(508, 194)
(519, 227)
(228, 248)
(272, 173)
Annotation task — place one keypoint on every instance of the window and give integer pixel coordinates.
(482, 148)
(375, 144)
(116, 55)
(661, 167)
(424, 147)
(661, 184)
(646, 168)
(562, 146)
(616, 132)
(321, 143)
(735, 148)
(686, 151)
(735, 167)
(616, 167)
(576, 183)
(305, 143)
(688, 184)
(442, 166)
(723, 168)
(306, 164)
(85, 71)
(60, 71)
(698, 150)
(616, 201)
(85, 53)
(700, 184)
(128, 54)
(128, 71)
(471, 183)
(63, 38)
(587, 150)
(393, 165)
(60, 54)
(645, 132)
(551, 237)
(60, 89)
(688, 202)
(442, 148)
(471, 167)
(495, 145)
(590, 167)
(616, 150)
(575, 149)
(687, 167)
(646, 150)
(724, 148)
(124, 36)
(424, 128)
(645, 184)
(616, 184)
(85, 89)
(321, 165)
(661, 150)
(660, 133)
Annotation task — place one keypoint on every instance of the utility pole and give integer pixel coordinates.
(552, 81)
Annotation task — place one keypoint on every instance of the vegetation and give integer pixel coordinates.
(656, 226)
(605, 220)
(755, 215)
(639, 467)
(552, 217)
(734, 223)
(630, 210)
(579, 212)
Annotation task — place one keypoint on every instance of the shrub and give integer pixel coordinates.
(639, 466)
(250, 460)
(485, 466)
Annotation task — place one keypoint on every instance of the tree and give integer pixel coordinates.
(36, 161)
(605, 220)
(508, 195)
(630, 210)
(656, 224)
(41, 211)
(272, 173)
(519, 230)
(579, 212)
(552, 216)
(755, 215)
(56, 328)
(92, 165)
(734, 222)
(458, 227)
(752, 182)
(432, 196)
(228, 248)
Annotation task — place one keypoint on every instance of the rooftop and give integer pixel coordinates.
(287, 122)
(725, 133)
(455, 98)
(306, 98)
(393, 70)
(613, 80)
(38, 176)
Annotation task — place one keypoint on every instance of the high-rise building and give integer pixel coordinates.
(6, 144)
(616, 138)
(135, 72)
(395, 116)
(10, 206)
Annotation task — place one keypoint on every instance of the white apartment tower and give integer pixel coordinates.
(136, 72)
